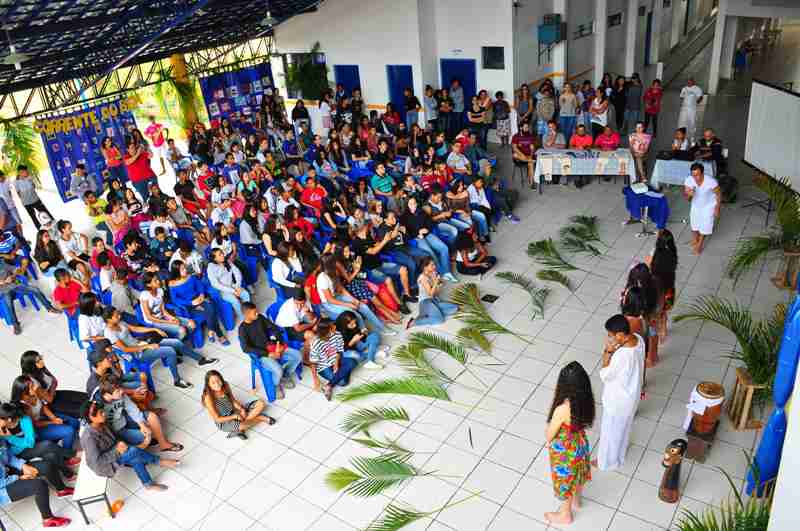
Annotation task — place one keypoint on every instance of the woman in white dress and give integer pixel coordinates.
(704, 193)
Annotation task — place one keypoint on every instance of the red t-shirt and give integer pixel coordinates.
(304, 225)
(140, 170)
(607, 142)
(68, 296)
(581, 141)
(429, 179)
(311, 284)
(524, 143)
(652, 100)
(313, 197)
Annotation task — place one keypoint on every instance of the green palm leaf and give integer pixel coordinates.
(758, 340)
(546, 253)
(372, 475)
(548, 275)
(396, 517)
(418, 365)
(471, 338)
(474, 314)
(429, 341)
(753, 250)
(579, 246)
(400, 386)
(362, 420)
(538, 295)
(392, 447)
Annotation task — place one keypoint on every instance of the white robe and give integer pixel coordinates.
(704, 203)
(622, 388)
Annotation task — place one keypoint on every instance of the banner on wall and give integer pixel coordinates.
(75, 137)
(239, 92)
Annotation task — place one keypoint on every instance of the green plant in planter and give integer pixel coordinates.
(785, 237)
(758, 340)
(20, 145)
(308, 77)
(734, 514)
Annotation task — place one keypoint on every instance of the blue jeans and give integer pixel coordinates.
(631, 117)
(567, 125)
(143, 187)
(479, 219)
(436, 248)
(236, 302)
(288, 363)
(434, 311)
(411, 118)
(173, 330)
(65, 433)
(167, 355)
(364, 312)
(130, 434)
(342, 376)
(179, 347)
(138, 459)
(404, 258)
(364, 350)
(208, 312)
(109, 235)
(21, 289)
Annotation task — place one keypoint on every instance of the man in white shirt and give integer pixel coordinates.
(691, 96)
(621, 373)
(457, 161)
(296, 317)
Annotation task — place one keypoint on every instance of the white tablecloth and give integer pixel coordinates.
(551, 162)
(676, 171)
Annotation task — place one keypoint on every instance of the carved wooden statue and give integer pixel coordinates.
(670, 482)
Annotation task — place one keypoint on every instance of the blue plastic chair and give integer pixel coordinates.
(132, 363)
(5, 311)
(280, 294)
(266, 376)
(224, 309)
(104, 295)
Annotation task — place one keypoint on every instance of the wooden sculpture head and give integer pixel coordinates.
(674, 452)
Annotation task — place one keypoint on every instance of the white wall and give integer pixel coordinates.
(370, 34)
(580, 52)
(745, 8)
(527, 19)
(428, 42)
(615, 39)
(464, 26)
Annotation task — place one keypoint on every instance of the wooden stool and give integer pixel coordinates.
(699, 443)
(741, 402)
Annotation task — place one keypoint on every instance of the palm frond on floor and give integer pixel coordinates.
(576, 245)
(547, 254)
(549, 275)
(471, 338)
(363, 419)
(474, 314)
(387, 445)
(538, 295)
(417, 364)
(372, 475)
(429, 341)
(399, 386)
(587, 227)
(396, 517)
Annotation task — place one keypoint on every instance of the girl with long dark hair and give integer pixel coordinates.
(229, 414)
(188, 291)
(640, 276)
(47, 425)
(571, 412)
(60, 401)
(663, 266)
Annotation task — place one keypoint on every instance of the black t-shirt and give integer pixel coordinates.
(412, 103)
(399, 241)
(360, 248)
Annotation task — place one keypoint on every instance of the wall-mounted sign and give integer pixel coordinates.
(583, 30)
(615, 19)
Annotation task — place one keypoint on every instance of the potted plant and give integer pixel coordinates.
(308, 77)
(19, 144)
(758, 340)
(783, 240)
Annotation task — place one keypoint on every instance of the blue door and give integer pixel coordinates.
(465, 71)
(648, 37)
(347, 76)
(399, 77)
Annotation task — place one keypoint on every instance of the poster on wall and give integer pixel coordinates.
(239, 92)
(74, 138)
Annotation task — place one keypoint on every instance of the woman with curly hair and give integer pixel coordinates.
(571, 413)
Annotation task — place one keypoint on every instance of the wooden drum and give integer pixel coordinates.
(711, 391)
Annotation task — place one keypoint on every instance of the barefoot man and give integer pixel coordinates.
(704, 193)
(621, 373)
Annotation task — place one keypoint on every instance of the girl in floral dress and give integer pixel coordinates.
(571, 413)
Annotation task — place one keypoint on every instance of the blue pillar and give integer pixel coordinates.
(768, 456)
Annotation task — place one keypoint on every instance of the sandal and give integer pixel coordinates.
(224, 341)
(270, 420)
(176, 447)
(212, 338)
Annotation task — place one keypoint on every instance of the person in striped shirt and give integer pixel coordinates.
(327, 359)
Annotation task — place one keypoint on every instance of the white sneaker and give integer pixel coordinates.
(383, 353)
(450, 277)
(389, 332)
(371, 365)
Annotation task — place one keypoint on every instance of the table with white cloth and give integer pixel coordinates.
(567, 162)
(676, 171)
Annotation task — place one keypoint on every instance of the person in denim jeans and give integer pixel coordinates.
(226, 278)
(446, 221)
(419, 225)
(432, 310)
(360, 344)
(336, 299)
(105, 453)
(151, 301)
(13, 283)
(259, 336)
(328, 359)
(49, 426)
(156, 345)
(378, 270)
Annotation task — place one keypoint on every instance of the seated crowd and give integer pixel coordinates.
(350, 229)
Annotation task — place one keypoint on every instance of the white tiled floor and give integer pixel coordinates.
(491, 442)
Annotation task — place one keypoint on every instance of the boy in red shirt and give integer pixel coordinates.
(67, 293)
(313, 195)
